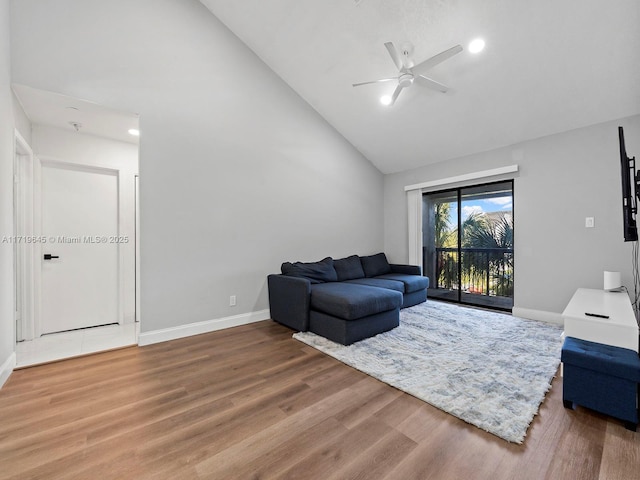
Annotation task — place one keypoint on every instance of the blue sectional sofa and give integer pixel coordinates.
(345, 300)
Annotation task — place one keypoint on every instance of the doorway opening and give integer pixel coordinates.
(468, 244)
(75, 227)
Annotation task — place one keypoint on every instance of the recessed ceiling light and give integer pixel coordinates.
(476, 45)
(385, 100)
(134, 132)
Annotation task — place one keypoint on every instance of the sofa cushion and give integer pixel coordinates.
(348, 268)
(315, 272)
(379, 282)
(351, 302)
(374, 265)
(412, 283)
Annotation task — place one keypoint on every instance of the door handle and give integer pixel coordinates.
(48, 256)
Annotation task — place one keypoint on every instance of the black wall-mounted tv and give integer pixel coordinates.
(629, 190)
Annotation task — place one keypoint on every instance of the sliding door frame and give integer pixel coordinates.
(458, 192)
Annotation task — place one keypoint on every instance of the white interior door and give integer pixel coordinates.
(79, 217)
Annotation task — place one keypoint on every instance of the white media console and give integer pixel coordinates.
(620, 329)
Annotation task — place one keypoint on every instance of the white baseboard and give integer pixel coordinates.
(543, 316)
(166, 334)
(7, 368)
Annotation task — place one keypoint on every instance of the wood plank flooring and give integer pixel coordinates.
(252, 403)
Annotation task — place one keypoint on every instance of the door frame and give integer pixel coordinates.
(136, 236)
(457, 195)
(23, 251)
(38, 246)
(415, 191)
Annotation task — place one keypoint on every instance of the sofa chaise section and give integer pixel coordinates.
(347, 313)
(345, 300)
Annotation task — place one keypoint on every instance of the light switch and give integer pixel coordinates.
(589, 222)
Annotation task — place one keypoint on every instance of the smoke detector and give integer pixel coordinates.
(76, 125)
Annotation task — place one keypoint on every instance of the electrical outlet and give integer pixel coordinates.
(589, 222)
(232, 301)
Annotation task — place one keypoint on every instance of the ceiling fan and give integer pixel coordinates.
(410, 72)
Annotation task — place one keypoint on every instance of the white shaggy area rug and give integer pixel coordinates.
(489, 369)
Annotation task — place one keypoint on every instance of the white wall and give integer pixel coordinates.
(71, 147)
(237, 172)
(562, 179)
(7, 325)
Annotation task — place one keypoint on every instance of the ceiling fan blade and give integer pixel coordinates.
(396, 92)
(395, 55)
(375, 81)
(436, 59)
(427, 82)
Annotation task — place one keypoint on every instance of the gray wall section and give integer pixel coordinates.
(7, 326)
(237, 172)
(562, 179)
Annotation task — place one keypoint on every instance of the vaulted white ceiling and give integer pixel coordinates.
(548, 66)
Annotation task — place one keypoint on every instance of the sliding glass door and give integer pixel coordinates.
(441, 249)
(468, 244)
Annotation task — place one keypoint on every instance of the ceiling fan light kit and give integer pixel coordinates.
(408, 72)
(405, 80)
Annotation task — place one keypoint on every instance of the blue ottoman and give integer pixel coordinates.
(601, 377)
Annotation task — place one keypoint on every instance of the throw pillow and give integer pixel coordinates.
(374, 265)
(348, 268)
(316, 272)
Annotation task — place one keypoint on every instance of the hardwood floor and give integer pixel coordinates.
(252, 403)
